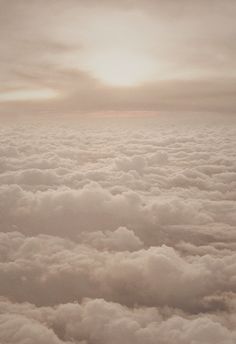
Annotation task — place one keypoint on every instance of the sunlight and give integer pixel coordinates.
(121, 68)
(24, 95)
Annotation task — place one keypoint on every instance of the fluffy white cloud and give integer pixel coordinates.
(96, 321)
(122, 239)
(139, 218)
(49, 270)
(17, 329)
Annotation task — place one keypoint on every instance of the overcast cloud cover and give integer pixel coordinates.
(118, 231)
(76, 54)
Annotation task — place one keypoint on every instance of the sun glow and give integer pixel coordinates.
(121, 68)
(27, 95)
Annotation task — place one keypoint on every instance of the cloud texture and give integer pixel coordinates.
(118, 231)
(59, 56)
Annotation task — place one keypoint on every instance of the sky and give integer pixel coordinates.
(72, 56)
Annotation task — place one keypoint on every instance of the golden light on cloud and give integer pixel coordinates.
(124, 68)
(92, 49)
(28, 95)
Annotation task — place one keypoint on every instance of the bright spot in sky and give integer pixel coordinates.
(121, 68)
(24, 95)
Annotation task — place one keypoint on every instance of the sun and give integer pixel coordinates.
(121, 69)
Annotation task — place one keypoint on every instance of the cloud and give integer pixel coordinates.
(19, 329)
(117, 202)
(118, 227)
(41, 265)
(97, 320)
(41, 51)
(105, 181)
(121, 239)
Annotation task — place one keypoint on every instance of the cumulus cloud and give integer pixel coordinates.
(96, 321)
(118, 230)
(42, 265)
(121, 239)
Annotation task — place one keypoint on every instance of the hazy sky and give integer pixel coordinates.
(75, 55)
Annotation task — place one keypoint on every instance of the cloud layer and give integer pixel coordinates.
(118, 230)
(61, 55)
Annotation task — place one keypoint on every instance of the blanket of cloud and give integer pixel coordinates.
(118, 231)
